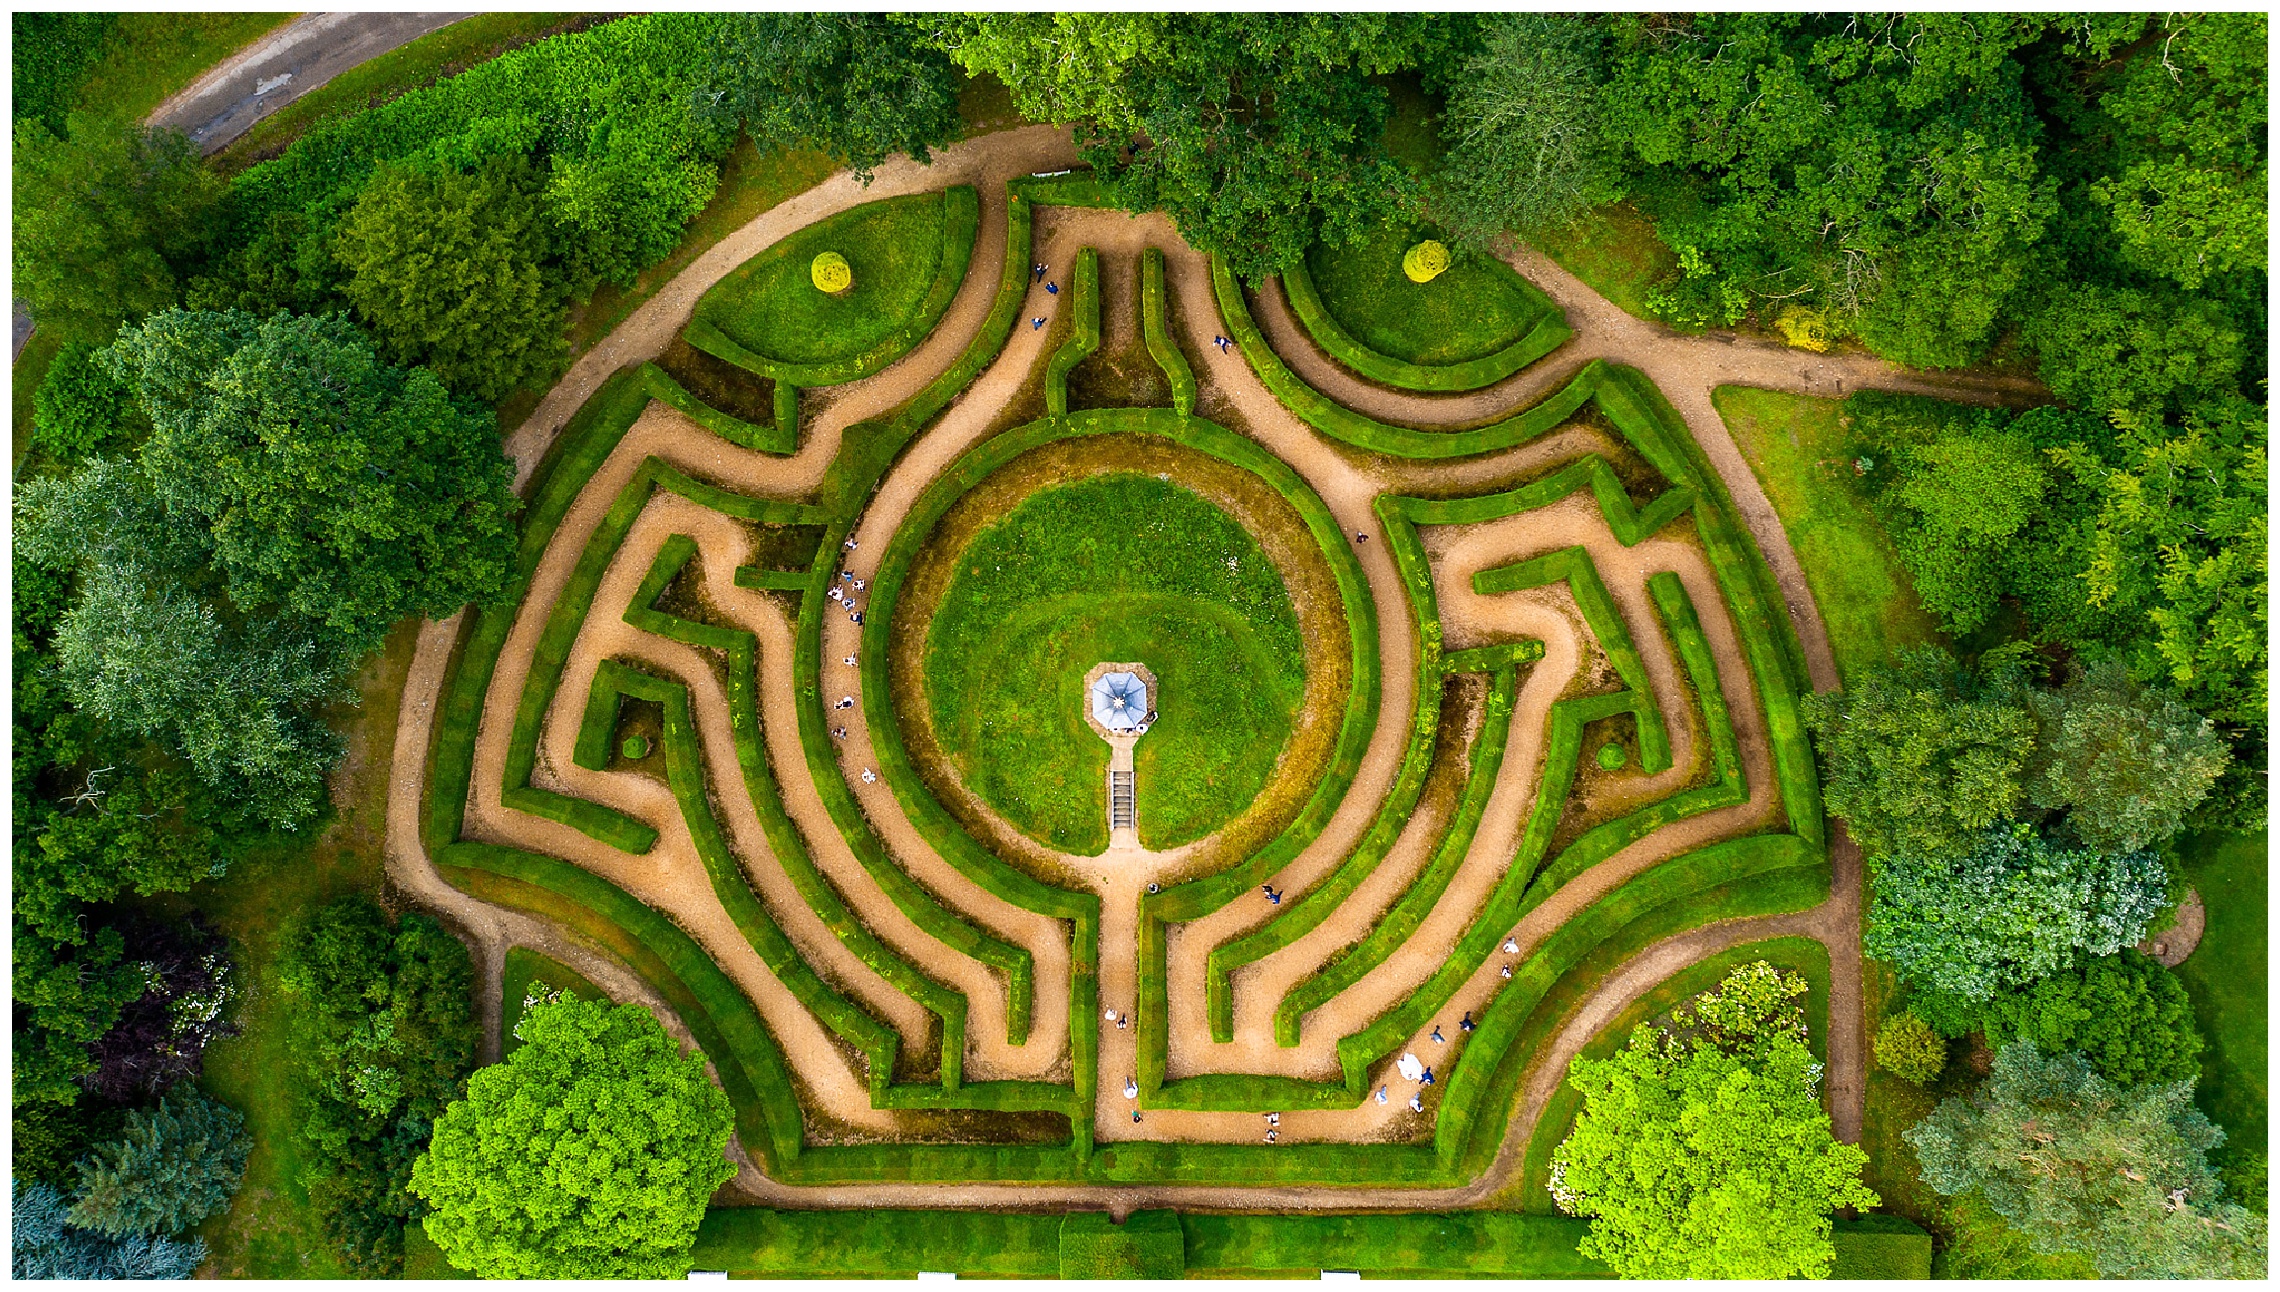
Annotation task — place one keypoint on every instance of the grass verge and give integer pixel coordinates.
(151, 56)
(1616, 252)
(1799, 448)
(2225, 976)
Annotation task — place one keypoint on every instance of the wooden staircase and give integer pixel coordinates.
(1120, 806)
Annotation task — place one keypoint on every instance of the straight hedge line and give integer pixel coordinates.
(1548, 333)
(1084, 293)
(961, 226)
(1156, 331)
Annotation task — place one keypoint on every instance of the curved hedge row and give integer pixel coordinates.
(781, 436)
(1155, 330)
(1574, 567)
(961, 225)
(1084, 303)
(1549, 334)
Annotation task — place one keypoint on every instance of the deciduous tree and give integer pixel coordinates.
(2126, 761)
(2121, 1176)
(861, 87)
(2126, 1013)
(109, 218)
(589, 1153)
(1528, 150)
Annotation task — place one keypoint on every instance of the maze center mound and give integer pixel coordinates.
(1038, 585)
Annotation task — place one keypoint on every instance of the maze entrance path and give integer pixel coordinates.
(903, 1017)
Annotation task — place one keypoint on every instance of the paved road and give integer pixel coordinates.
(284, 65)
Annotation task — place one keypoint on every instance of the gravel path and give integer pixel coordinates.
(1686, 368)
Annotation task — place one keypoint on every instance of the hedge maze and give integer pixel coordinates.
(1561, 727)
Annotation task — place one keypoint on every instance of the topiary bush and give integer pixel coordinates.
(1612, 758)
(831, 273)
(1425, 262)
(634, 747)
(1908, 1048)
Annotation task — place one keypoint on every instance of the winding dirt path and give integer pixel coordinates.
(1687, 369)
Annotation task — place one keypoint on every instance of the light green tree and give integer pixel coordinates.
(1909, 1049)
(590, 1153)
(2076, 1165)
(1710, 1156)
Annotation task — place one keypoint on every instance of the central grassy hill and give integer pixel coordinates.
(1115, 567)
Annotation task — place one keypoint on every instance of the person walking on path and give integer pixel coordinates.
(1036, 323)
(1052, 289)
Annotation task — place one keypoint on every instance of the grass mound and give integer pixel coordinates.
(770, 304)
(1474, 309)
(1117, 567)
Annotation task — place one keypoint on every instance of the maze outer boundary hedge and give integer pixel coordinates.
(1548, 333)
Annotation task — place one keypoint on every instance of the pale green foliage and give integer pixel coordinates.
(1921, 757)
(2129, 762)
(590, 1153)
(1710, 1156)
(2121, 1176)
(174, 1166)
(1528, 150)
(445, 267)
(2013, 908)
(45, 1245)
(1909, 1049)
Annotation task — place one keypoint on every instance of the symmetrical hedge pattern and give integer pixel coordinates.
(1681, 655)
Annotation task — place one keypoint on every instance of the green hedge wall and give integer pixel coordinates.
(1084, 304)
(1549, 334)
(1155, 325)
(780, 436)
(1574, 567)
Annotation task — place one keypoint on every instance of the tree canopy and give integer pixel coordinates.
(2127, 1014)
(174, 1166)
(1710, 1156)
(590, 1153)
(2012, 908)
(860, 86)
(1922, 757)
(2127, 762)
(1528, 149)
(109, 219)
(1256, 132)
(2121, 1176)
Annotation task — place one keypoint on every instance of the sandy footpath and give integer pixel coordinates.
(1686, 368)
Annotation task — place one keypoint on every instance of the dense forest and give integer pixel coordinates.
(271, 433)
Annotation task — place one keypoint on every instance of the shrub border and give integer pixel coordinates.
(1549, 332)
(1084, 292)
(1163, 347)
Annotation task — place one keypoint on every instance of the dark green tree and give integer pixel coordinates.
(860, 86)
(50, 56)
(176, 1165)
(81, 409)
(109, 219)
(1527, 147)
(1257, 133)
(2127, 1014)
(1923, 757)
(2128, 762)
(447, 269)
(2121, 1176)
(348, 492)
(384, 1037)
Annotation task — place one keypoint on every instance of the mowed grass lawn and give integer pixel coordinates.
(1476, 308)
(1114, 568)
(1615, 251)
(2225, 977)
(1798, 447)
(770, 304)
